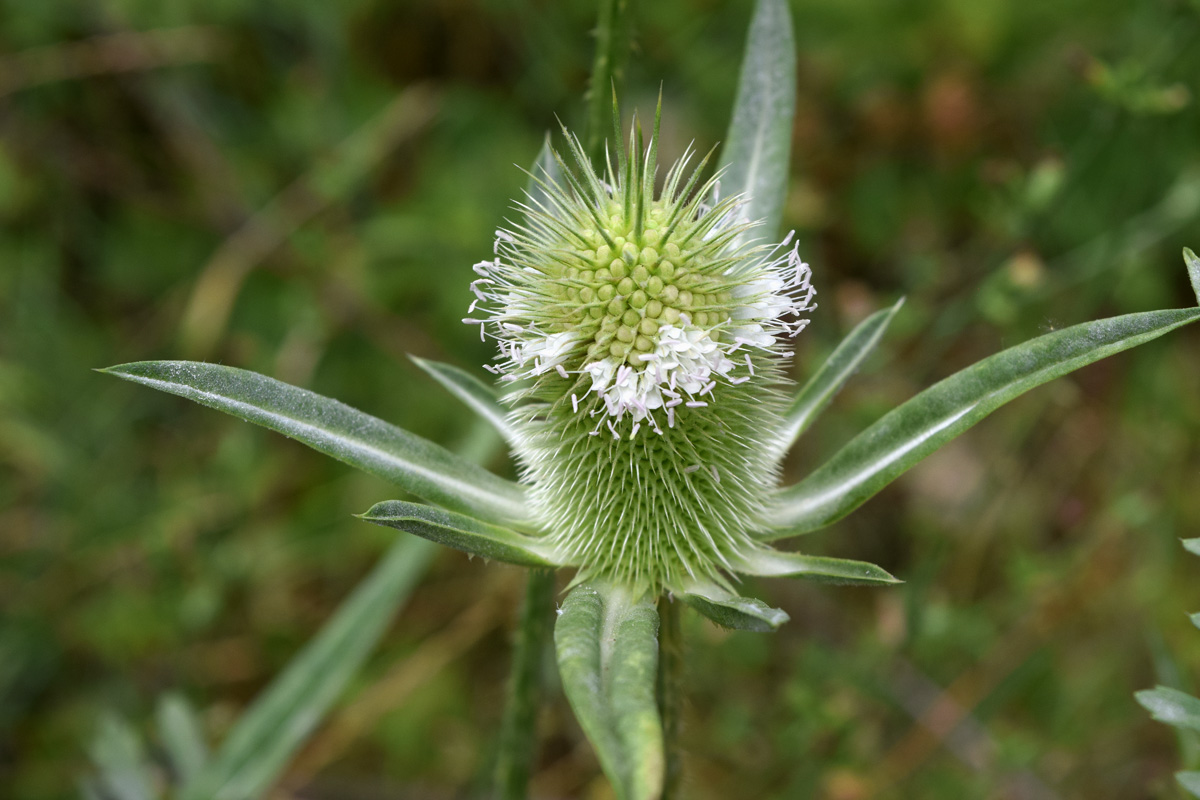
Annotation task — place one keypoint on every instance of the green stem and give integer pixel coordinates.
(612, 37)
(670, 692)
(517, 741)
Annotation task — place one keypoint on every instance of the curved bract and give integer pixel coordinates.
(607, 644)
(415, 464)
(841, 365)
(732, 611)
(882, 452)
(464, 533)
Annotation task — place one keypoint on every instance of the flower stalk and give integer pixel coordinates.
(517, 749)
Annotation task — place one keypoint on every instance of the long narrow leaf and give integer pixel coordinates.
(278, 722)
(476, 394)
(778, 564)
(758, 143)
(607, 643)
(911, 432)
(812, 399)
(1192, 545)
(462, 533)
(1189, 781)
(415, 464)
(731, 611)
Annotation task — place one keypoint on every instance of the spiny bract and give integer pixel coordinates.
(642, 339)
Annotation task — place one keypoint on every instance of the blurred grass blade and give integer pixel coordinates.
(776, 563)
(758, 142)
(607, 644)
(118, 752)
(462, 533)
(477, 395)
(329, 182)
(277, 723)
(731, 611)
(1192, 545)
(1189, 781)
(1171, 706)
(833, 374)
(904, 436)
(372, 445)
(1193, 268)
(182, 736)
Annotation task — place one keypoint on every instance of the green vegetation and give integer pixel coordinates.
(301, 189)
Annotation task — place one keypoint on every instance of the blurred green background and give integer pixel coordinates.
(300, 188)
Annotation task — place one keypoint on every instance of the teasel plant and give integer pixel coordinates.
(642, 340)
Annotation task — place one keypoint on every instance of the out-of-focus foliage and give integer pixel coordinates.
(300, 189)
(1179, 710)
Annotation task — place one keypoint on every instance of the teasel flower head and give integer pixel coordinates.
(643, 339)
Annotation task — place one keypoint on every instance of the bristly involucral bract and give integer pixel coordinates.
(643, 339)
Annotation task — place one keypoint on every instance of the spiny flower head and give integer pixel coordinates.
(643, 338)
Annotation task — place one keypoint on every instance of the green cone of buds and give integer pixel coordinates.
(643, 339)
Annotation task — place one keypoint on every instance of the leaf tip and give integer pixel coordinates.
(127, 371)
(1193, 268)
(423, 364)
(375, 512)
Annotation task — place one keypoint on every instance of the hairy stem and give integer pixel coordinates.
(612, 40)
(670, 691)
(517, 740)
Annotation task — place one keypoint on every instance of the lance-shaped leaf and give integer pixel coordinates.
(732, 611)
(776, 563)
(476, 394)
(1192, 545)
(815, 395)
(462, 533)
(1189, 781)
(1171, 706)
(415, 464)
(909, 433)
(277, 723)
(758, 143)
(607, 644)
